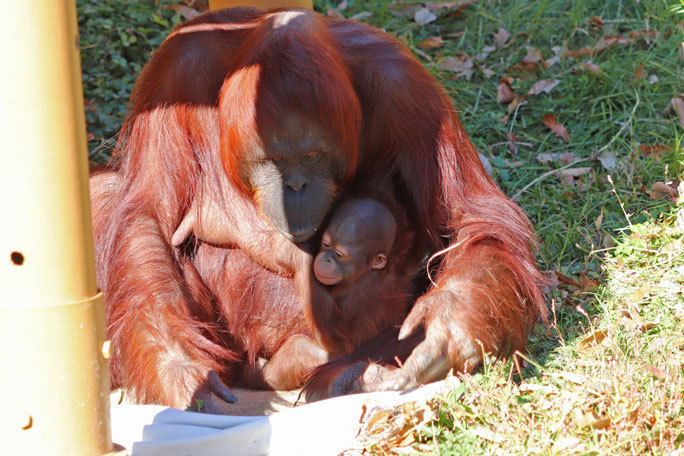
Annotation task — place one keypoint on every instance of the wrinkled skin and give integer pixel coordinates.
(295, 178)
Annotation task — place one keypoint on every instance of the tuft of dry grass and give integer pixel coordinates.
(616, 388)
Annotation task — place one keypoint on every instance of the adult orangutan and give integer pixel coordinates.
(254, 122)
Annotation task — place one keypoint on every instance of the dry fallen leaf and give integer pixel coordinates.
(550, 281)
(608, 159)
(661, 190)
(461, 64)
(681, 51)
(523, 69)
(596, 21)
(480, 56)
(507, 80)
(432, 42)
(530, 63)
(636, 321)
(517, 101)
(677, 105)
(641, 293)
(501, 36)
(568, 175)
(590, 420)
(656, 372)
(544, 85)
(409, 9)
(424, 16)
(599, 220)
(563, 158)
(610, 41)
(487, 72)
(586, 284)
(557, 54)
(504, 94)
(387, 429)
(589, 66)
(565, 280)
(655, 150)
(604, 43)
(591, 341)
(558, 129)
(645, 35)
(632, 316)
(533, 55)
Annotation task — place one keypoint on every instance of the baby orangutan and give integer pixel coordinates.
(356, 243)
(359, 262)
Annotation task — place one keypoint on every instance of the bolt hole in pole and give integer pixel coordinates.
(17, 258)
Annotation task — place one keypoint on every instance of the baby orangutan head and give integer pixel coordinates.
(358, 239)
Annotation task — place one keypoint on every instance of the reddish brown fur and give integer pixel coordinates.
(166, 313)
(372, 306)
(263, 314)
(378, 301)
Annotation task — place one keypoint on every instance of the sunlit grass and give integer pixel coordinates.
(605, 377)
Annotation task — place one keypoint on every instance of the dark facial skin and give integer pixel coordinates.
(296, 177)
(357, 241)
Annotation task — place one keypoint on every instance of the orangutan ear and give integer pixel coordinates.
(379, 262)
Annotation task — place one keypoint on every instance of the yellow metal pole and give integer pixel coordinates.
(264, 5)
(54, 383)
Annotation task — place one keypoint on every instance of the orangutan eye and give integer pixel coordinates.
(313, 154)
(326, 244)
(277, 158)
(339, 254)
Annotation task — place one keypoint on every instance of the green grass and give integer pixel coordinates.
(611, 385)
(603, 397)
(591, 107)
(619, 392)
(116, 37)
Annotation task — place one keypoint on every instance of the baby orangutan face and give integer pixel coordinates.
(357, 241)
